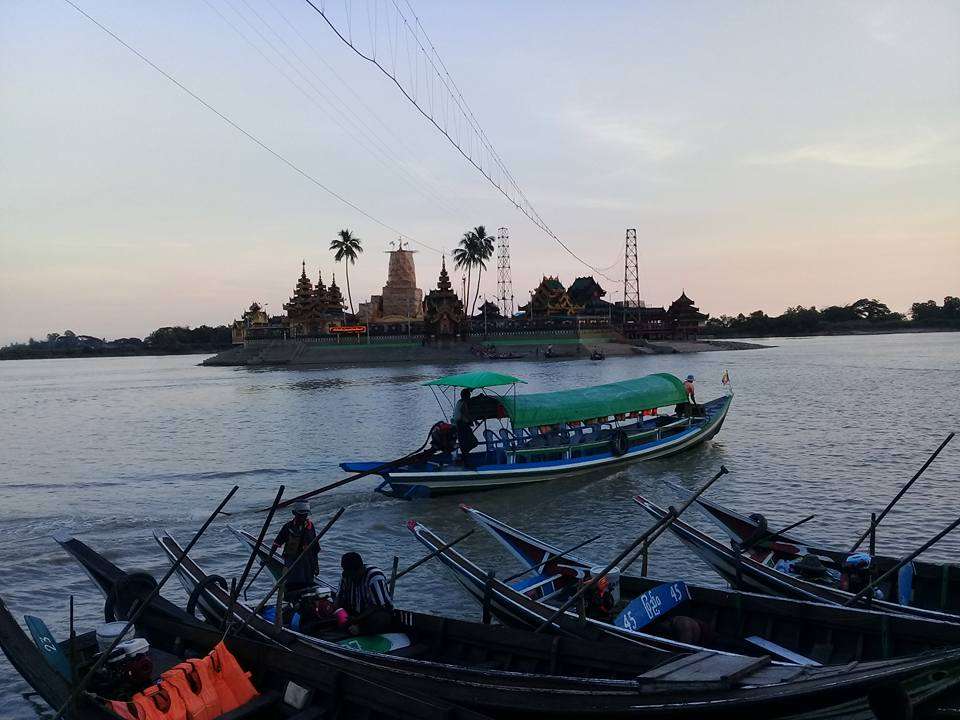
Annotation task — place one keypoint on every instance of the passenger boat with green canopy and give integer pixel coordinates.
(539, 436)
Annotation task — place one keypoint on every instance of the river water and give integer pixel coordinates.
(111, 448)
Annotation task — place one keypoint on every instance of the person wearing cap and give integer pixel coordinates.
(294, 537)
(365, 596)
(688, 386)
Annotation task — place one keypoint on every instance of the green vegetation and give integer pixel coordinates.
(347, 246)
(162, 341)
(864, 315)
(475, 248)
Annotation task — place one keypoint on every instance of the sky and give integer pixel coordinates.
(769, 154)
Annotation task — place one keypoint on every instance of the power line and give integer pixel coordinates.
(379, 150)
(523, 204)
(250, 136)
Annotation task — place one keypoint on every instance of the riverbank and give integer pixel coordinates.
(291, 352)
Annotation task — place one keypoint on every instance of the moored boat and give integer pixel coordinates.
(175, 666)
(675, 615)
(530, 438)
(511, 673)
(743, 570)
(925, 585)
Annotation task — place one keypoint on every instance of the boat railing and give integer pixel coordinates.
(526, 444)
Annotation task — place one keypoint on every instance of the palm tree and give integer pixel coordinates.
(347, 247)
(463, 259)
(481, 246)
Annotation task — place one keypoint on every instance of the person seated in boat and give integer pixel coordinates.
(365, 596)
(463, 421)
(857, 573)
(294, 537)
(685, 629)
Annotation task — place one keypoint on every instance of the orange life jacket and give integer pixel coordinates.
(122, 708)
(158, 703)
(196, 689)
(225, 664)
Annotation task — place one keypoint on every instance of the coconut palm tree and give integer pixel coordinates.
(347, 248)
(463, 260)
(481, 246)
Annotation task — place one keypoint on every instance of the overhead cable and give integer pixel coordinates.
(250, 136)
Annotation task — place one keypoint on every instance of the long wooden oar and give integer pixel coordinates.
(253, 556)
(909, 558)
(432, 555)
(760, 537)
(552, 559)
(418, 454)
(896, 498)
(650, 535)
(145, 603)
(287, 571)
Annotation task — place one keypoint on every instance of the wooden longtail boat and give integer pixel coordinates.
(541, 436)
(627, 679)
(743, 570)
(519, 609)
(601, 680)
(286, 688)
(926, 585)
(790, 630)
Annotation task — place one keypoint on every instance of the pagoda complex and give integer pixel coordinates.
(443, 314)
(400, 300)
(312, 310)
(685, 317)
(550, 298)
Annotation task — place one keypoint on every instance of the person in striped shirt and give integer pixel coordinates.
(364, 595)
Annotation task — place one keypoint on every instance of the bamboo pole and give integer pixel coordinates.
(899, 495)
(432, 555)
(909, 558)
(78, 688)
(234, 593)
(649, 535)
(286, 571)
(552, 559)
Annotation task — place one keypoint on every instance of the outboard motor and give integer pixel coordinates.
(603, 597)
(127, 671)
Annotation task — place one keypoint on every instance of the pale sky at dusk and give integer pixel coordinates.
(769, 154)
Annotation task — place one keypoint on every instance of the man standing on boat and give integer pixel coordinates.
(364, 595)
(464, 424)
(294, 536)
(691, 392)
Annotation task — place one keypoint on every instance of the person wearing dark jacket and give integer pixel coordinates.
(294, 537)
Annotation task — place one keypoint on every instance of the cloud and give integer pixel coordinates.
(642, 137)
(925, 148)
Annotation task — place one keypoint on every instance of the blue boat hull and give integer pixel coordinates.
(443, 476)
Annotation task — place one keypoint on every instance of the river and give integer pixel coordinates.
(110, 448)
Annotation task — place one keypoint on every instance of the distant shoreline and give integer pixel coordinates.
(832, 333)
(30, 354)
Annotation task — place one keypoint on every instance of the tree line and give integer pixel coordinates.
(866, 314)
(172, 340)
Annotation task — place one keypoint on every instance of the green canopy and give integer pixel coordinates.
(550, 408)
(476, 380)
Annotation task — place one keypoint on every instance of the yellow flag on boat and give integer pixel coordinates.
(726, 378)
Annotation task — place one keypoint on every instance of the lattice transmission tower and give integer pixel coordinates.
(504, 279)
(631, 273)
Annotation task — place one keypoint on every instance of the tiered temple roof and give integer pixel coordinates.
(550, 298)
(443, 314)
(303, 299)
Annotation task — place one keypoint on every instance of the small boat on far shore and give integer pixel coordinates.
(541, 436)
